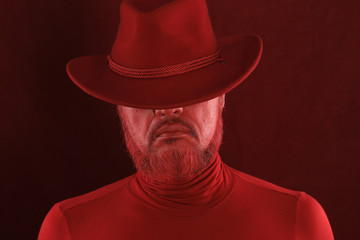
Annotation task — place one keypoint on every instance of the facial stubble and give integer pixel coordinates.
(176, 164)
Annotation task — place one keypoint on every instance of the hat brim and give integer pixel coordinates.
(241, 54)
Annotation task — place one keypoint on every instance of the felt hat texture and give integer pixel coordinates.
(166, 36)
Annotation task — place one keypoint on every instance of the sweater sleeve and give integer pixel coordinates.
(54, 226)
(311, 220)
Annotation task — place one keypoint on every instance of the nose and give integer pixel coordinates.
(168, 112)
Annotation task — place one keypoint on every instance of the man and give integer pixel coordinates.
(168, 75)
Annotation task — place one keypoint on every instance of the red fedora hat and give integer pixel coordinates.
(166, 56)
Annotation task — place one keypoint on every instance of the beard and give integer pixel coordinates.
(176, 164)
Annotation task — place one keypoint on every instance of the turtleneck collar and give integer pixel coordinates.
(205, 191)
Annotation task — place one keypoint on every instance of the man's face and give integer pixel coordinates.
(173, 144)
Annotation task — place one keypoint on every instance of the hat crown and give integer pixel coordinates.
(172, 33)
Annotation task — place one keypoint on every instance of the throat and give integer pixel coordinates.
(205, 190)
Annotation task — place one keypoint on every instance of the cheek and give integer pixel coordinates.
(137, 122)
(211, 125)
(207, 123)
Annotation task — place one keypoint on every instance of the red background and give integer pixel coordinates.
(294, 122)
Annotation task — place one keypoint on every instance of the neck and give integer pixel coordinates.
(205, 190)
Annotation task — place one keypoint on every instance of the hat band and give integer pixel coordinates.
(164, 71)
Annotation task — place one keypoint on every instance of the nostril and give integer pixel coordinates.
(169, 111)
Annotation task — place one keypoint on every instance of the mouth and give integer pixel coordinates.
(173, 131)
(172, 134)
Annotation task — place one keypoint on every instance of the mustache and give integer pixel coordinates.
(169, 122)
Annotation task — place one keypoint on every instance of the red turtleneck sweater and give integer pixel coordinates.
(221, 203)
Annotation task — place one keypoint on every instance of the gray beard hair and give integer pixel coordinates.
(176, 165)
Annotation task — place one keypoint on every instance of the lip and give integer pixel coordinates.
(172, 131)
(172, 134)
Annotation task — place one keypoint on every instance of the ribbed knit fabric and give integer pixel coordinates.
(191, 198)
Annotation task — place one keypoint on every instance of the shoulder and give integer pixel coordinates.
(260, 185)
(56, 226)
(95, 195)
(310, 221)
